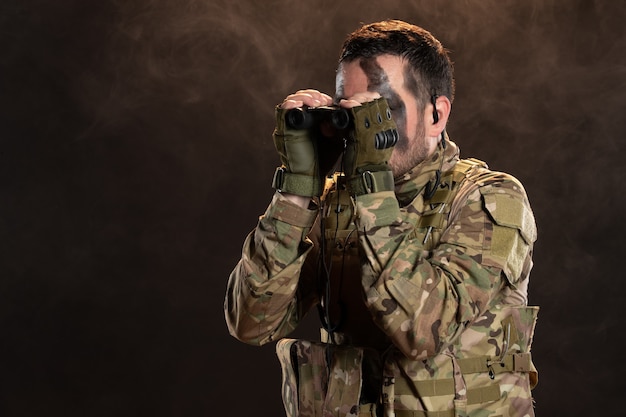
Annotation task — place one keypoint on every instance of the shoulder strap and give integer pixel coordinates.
(444, 195)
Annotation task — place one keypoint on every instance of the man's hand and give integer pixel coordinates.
(359, 99)
(310, 98)
(300, 173)
(366, 159)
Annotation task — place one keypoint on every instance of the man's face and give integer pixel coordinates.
(385, 75)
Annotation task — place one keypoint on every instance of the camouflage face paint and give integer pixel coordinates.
(379, 81)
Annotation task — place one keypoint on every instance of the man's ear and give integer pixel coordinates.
(437, 114)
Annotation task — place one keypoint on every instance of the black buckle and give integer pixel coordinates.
(279, 178)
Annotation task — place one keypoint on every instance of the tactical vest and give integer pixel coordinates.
(323, 379)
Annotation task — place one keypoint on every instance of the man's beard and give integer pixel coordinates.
(409, 153)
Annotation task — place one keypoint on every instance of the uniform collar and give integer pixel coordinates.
(409, 185)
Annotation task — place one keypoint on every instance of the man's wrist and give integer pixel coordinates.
(292, 209)
(298, 200)
(297, 184)
(371, 181)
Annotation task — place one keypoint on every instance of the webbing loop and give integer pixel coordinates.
(445, 386)
(474, 396)
(298, 184)
(512, 362)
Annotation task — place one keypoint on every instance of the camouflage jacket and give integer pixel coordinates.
(435, 284)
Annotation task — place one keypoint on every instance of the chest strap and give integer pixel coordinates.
(511, 362)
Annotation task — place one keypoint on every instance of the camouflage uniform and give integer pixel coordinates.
(428, 296)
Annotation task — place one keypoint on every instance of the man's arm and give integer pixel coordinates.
(264, 298)
(424, 299)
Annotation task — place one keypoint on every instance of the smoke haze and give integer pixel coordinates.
(135, 155)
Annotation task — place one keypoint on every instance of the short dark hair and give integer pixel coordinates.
(430, 65)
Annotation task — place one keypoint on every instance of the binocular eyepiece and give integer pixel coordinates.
(307, 117)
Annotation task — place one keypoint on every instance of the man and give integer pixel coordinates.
(417, 261)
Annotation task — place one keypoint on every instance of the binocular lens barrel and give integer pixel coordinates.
(297, 119)
(300, 118)
(340, 118)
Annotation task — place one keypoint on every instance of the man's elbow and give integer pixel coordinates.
(249, 333)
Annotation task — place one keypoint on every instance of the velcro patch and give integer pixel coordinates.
(514, 229)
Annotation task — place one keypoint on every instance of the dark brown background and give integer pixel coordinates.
(135, 155)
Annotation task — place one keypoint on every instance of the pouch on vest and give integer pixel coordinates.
(312, 387)
(483, 377)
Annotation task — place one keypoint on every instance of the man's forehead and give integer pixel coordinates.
(350, 77)
(374, 74)
(361, 74)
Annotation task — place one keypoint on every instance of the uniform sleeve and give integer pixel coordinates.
(424, 299)
(264, 300)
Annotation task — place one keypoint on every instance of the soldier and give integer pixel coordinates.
(417, 261)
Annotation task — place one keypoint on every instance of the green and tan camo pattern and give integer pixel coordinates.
(451, 302)
(314, 387)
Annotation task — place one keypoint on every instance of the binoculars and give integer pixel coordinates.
(332, 121)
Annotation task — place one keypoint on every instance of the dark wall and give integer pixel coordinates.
(135, 155)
